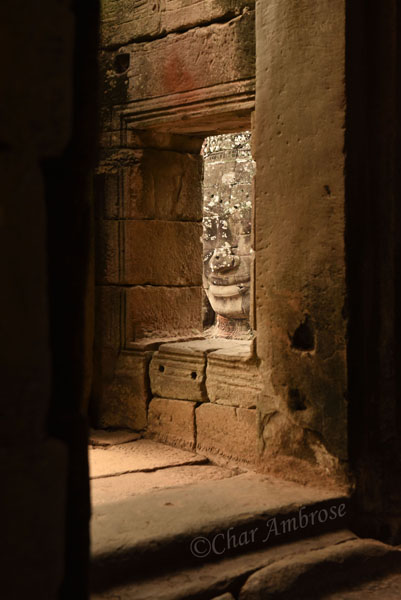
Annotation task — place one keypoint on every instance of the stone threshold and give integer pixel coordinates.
(330, 566)
(201, 523)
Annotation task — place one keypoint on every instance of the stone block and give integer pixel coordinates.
(164, 185)
(162, 253)
(192, 60)
(162, 311)
(150, 184)
(172, 422)
(148, 252)
(124, 401)
(127, 21)
(231, 432)
(232, 376)
(178, 370)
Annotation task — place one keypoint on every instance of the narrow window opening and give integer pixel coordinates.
(227, 235)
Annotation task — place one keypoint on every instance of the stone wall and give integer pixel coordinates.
(205, 395)
(162, 76)
(149, 208)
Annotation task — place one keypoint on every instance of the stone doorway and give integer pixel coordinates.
(187, 373)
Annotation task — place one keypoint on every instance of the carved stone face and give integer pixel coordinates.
(227, 216)
(227, 256)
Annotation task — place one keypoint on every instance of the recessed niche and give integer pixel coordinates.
(227, 228)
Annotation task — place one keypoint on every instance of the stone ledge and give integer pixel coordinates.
(140, 456)
(145, 532)
(178, 370)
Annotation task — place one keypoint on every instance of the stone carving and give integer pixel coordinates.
(227, 216)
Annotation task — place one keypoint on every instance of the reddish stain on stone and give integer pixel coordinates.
(176, 77)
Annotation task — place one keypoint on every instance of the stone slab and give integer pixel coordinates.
(226, 430)
(388, 587)
(319, 571)
(152, 528)
(104, 437)
(141, 455)
(178, 370)
(214, 578)
(154, 342)
(172, 422)
(160, 311)
(106, 490)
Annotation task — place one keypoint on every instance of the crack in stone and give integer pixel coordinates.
(228, 18)
(200, 461)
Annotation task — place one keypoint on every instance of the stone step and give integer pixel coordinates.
(317, 567)
(151, 533)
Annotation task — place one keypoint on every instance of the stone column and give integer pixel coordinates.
(299, 229)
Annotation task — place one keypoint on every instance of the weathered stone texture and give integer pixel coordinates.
(182, 62)
(299, 218)
(232, 377)
(178, 376)
(172, 422)
(231, 432)
(162, 253)
(178, 369)
(152, 184)
(124, 400)
(126, 21)
(163, 311)
(149, 252)
(317, 572)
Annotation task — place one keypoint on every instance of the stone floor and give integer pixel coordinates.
(165, 523)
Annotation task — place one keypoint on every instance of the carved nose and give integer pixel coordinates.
(223, 260)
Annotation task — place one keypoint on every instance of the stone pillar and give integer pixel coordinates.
(299, 229)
